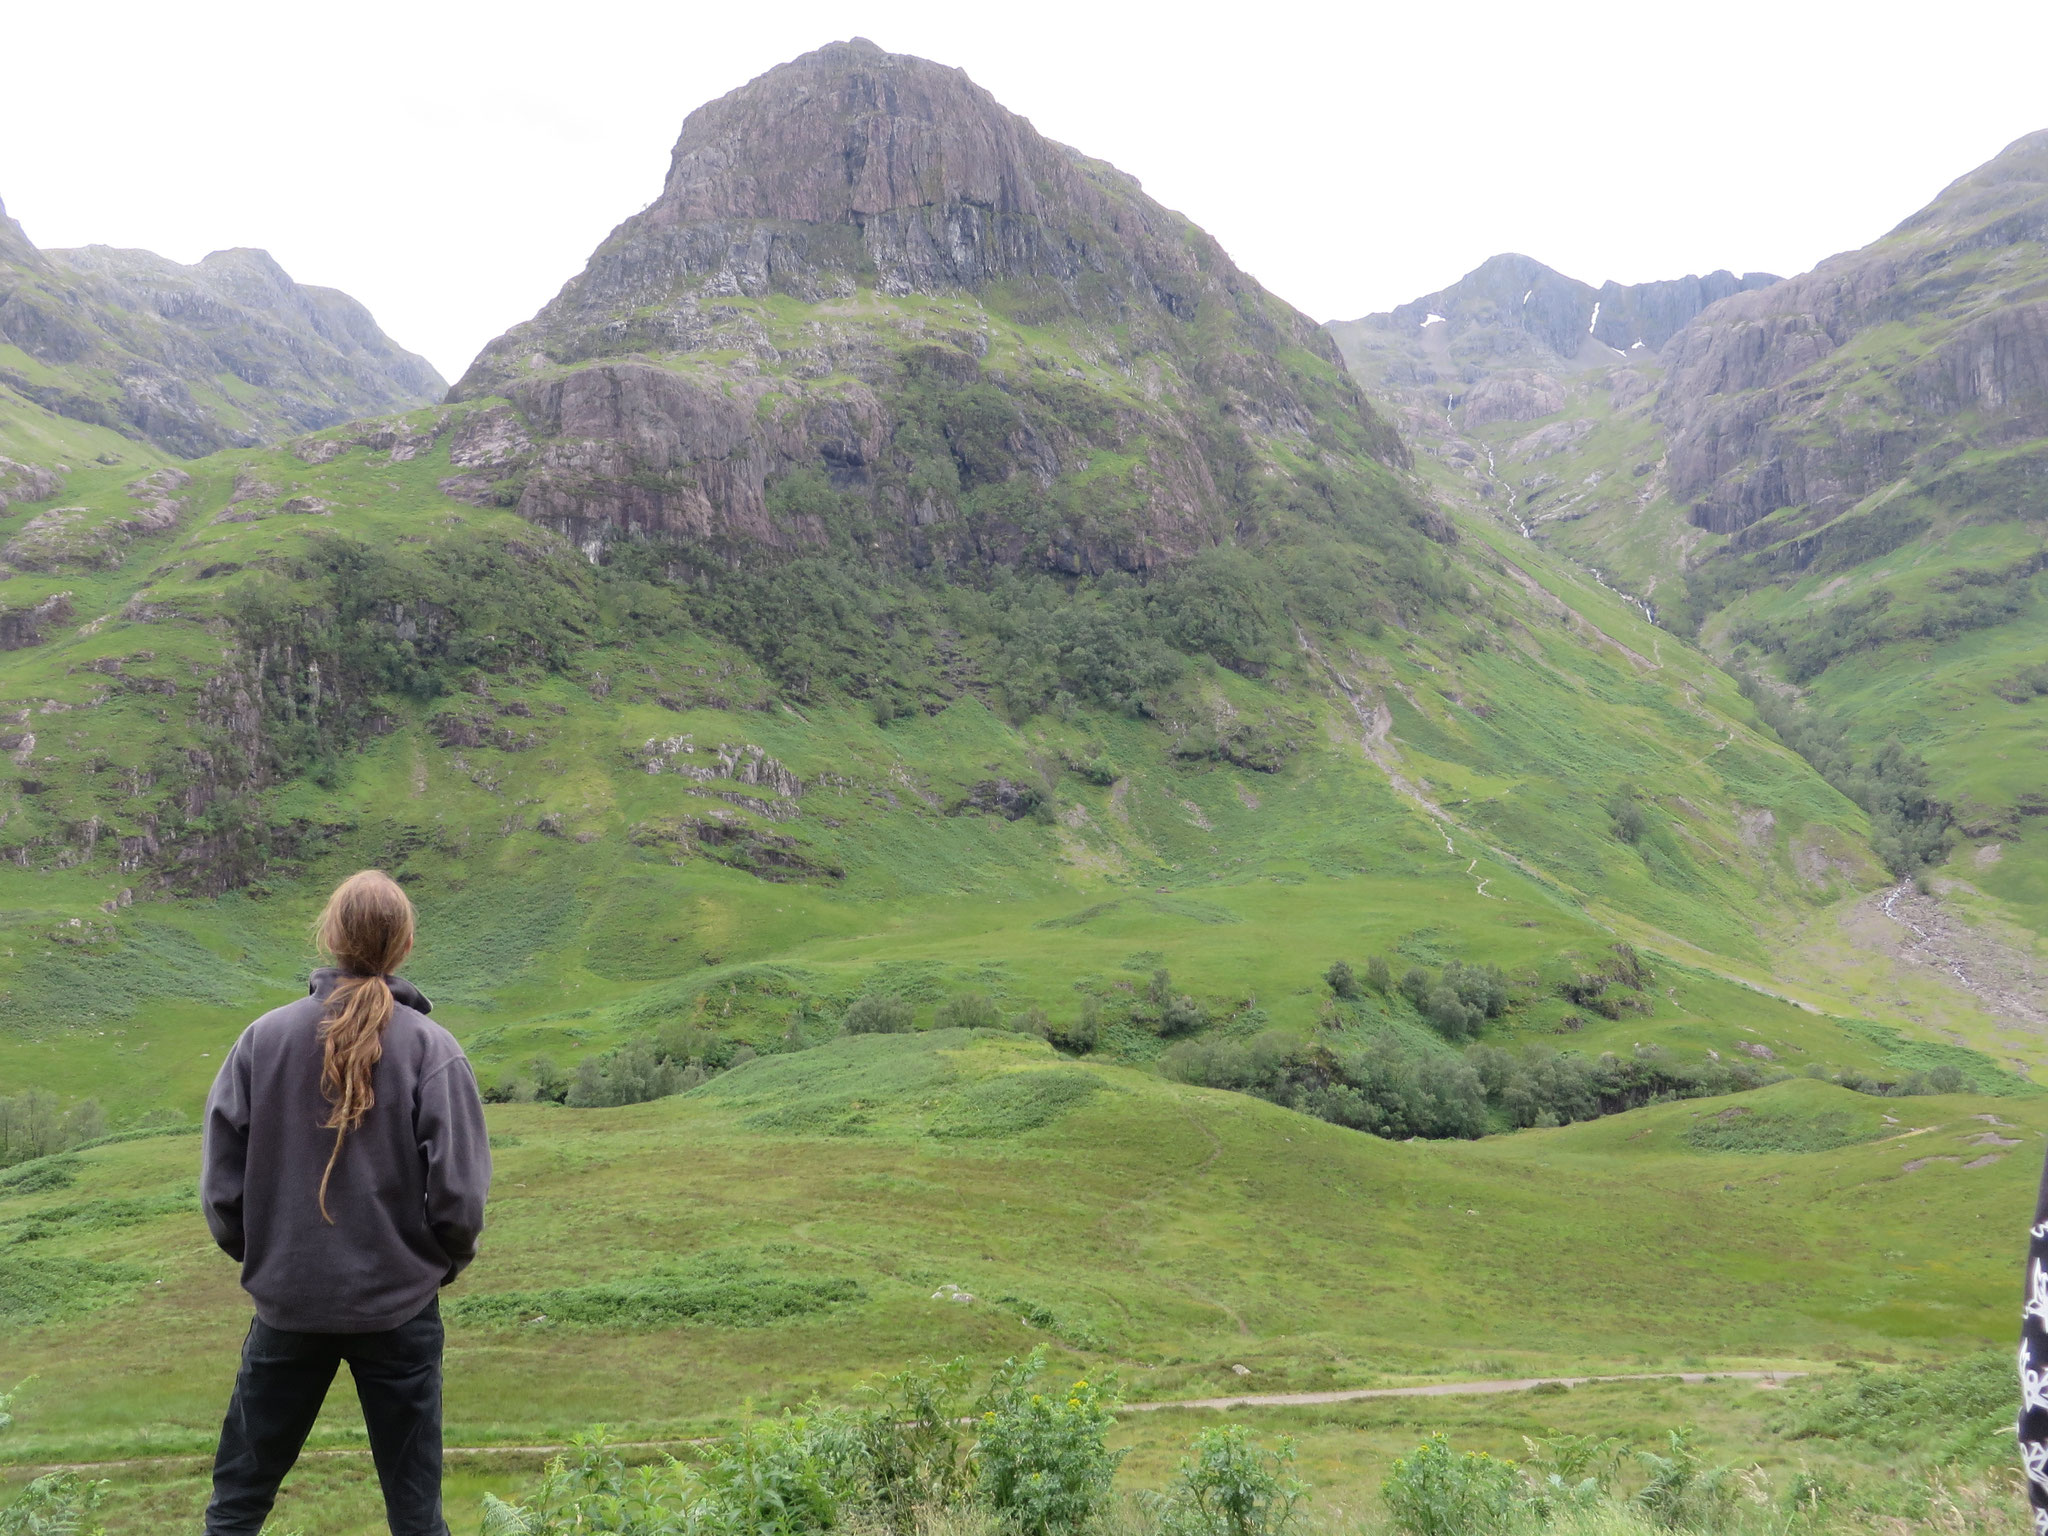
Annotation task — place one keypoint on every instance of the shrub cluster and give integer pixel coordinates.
(1571, 1483)
(674, 1061)
(887, 1013)
(2024, 686)
(877, 1013)
(1812, 643)
(34, 1123)
(1613, 988)
(681, 1056)
(1230, 1485)
(1960, 1410)
(1456, 1002)
(1908, 826)
(1390, 1088)
(1034, 1461)
(1945, 1078)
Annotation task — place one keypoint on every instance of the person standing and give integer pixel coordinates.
(345, 1167)
(2033, 1420)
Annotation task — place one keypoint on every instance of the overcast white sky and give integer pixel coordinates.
(452, 163)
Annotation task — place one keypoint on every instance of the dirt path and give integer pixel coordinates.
(1453, 1389)
(1250, 1400)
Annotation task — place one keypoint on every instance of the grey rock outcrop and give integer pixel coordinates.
(27, 482)
(1522, 396)
(1753, 397)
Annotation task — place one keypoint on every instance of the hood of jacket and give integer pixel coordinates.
(322, 981)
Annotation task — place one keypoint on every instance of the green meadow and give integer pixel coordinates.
(806, 1221)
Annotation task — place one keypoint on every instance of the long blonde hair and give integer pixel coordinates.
(367, 927)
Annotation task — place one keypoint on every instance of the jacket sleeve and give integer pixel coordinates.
(456, 1151)
(224, 1151)
(2033, 1364)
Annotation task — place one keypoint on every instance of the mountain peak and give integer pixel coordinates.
(926, 250)
(15, 249)
(848, 132)
(1514, 307)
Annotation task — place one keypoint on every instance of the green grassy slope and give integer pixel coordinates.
(1439, 793)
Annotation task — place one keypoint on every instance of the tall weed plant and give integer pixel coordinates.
(55, 1504)
(1230, 1485)
(1041, 1458)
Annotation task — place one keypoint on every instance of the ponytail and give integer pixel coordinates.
(367, 926)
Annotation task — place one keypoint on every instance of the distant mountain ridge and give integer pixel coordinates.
(226, 352)
(1514, 309)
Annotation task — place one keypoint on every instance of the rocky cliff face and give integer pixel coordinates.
(1882, 363)
(228, 352)
(873, 307)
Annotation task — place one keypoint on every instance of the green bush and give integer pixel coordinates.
(1230, 1485)
(969, 1010)
(1625, 806)
(1224, 602)
(1682, 1491)
(40, 1176)
(55, 1504)
(1181, 1015)
(1909, 827)
(1387, 1088)
(635, 1073)
(1570, 1475)
(548, 1082)
(34, 1123)
(1341, 980)
(1436, 1491)
(1461, 1000)
(1079, 1035)
(912, 1443)
(1042, 1460)
(589, 1489)
(778, 1477)
(877, 1013)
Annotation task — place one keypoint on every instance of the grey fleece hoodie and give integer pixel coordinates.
(407, 1195)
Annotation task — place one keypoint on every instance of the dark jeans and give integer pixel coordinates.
(278, 1392)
